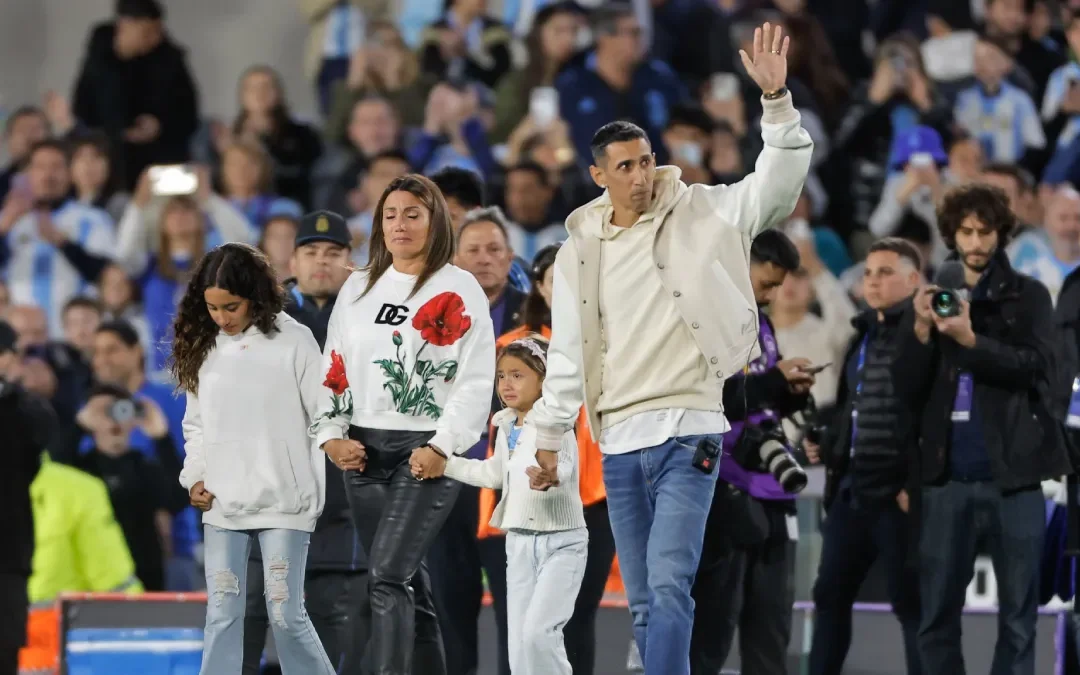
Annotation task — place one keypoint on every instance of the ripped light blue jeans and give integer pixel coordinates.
(284, 558)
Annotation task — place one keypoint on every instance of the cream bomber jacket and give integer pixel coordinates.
(702, 253)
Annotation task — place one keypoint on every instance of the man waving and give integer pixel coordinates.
(652, 310)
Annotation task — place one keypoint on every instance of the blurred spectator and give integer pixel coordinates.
(1011, 180)
(247, 181)
(27, 421)
(140, 232)
(80, 547)
(551, 148)
(616, 82)
(5, 298)
(144, 492)
(81, 318)
(1007, 23)
(374, 127)
(264, 118)
(1061, 112)
(528, 199)
(821, 337)
(92, 178)
(1001, 115)
(463, 191)
(277, 242)
(725, 155)
(687, 138)
(384, 67)
(812, 61)
(163, 268)
(915, 186)
(52, 245)
(966, 160)
(456, 123)
(551, 43)
(382, 170)
(466, 44)
(121, 300)
(695, 39)
(336, 30)
(25, 128)
(899, 97)
(1049, 254)
(135, 85)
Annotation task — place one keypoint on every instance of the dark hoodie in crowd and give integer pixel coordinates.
(110, 94)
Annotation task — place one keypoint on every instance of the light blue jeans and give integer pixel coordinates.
(658, 504)
(543, 575)
(284, 559)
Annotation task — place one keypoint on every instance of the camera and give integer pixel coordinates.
(125, 410)
(945, 303)
(764, 448)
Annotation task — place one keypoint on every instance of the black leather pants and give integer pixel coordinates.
(397, 518)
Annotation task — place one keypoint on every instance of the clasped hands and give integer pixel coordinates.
(427, 463)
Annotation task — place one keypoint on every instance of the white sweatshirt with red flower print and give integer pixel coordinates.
(425, 363)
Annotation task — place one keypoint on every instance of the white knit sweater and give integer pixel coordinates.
(522, 508)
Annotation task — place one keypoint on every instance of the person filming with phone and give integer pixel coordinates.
(975, 366)
(868, 454)
(745, 579)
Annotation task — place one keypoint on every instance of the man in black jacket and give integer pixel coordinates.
(26, 422)
(336, 585)
(867, 454)
(136, 87)
(980, 383)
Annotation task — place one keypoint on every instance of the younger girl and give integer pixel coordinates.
(546, 539)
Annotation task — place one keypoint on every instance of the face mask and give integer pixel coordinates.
(690, 153)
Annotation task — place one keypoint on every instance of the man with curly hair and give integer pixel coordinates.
(980, 380)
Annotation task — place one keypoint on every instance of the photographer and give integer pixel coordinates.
(977, 375)
(26, 421)
(745, 578)
(143, 490)
(867, 452)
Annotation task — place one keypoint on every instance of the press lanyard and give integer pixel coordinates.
(859, 365)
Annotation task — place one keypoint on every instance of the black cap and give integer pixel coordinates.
(139, 9)
(323, 226)
(8, 337)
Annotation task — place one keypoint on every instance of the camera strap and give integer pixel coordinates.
(859, 366)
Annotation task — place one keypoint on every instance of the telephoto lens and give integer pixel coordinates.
(779, 462)
(945, 303)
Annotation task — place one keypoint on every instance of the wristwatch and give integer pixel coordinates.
(775, 94)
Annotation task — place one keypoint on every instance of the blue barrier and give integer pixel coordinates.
(155, 651)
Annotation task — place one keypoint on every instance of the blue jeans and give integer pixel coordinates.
(955, 517)
(284, 559)
(658, 504)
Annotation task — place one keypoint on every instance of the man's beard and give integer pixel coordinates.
(980, 264)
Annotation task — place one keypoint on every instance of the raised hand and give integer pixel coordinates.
(767, 67)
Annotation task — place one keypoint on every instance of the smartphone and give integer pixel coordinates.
(814, 370)
(921, 160)
(170, 180)
(724, 86)
(544, 106)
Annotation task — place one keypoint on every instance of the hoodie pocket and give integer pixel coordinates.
(254, 476)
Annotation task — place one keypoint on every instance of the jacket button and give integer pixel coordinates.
(677, 294)
(720, 374)
(695, 325)
(660, 265)
(713, 359)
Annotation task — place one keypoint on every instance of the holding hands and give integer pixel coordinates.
(426, 462)
(346, 454)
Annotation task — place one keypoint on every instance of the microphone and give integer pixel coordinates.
(950, 280)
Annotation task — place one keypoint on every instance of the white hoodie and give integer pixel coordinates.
(245, 433)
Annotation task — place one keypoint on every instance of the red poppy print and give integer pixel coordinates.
(336, 379)
(442, 321)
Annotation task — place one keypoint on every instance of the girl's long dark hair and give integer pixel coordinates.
(535, 312)
(240, 269)
(439, 249)
(539, 71)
